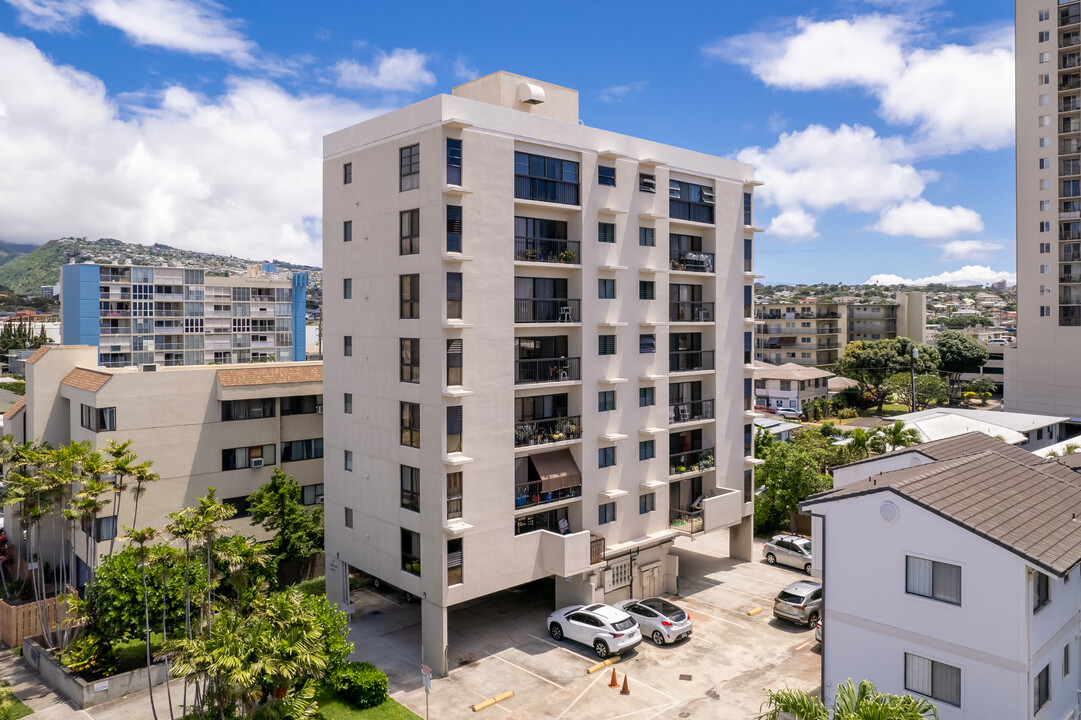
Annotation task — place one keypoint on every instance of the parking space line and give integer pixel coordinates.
(539, 677)
(564, 649)
(716, 617)
(600, 676)
(662, 707)
(663, 710)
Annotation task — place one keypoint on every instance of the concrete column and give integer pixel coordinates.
(433, 636)
(579, 590)
(741, 539)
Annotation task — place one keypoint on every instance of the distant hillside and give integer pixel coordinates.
(25, 274)
(8, 251)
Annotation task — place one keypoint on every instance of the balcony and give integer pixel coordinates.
(1071, 60)
(553, 191)
(1069, 167)
(549, 430)
(690, 411)
(559, 555)
(690, 360)
(1070, 103)
(553, 310)
(169, 297)
(690, 312)
(722, 510)
(774, 330)
(1068, 147)
(1070, 257)
(692, 211)
(1068, 16)
(691, 261)
(546, 250)
(1070, 82)
(533, 494)
(690, 461)
(1070, 279)
(547, 370)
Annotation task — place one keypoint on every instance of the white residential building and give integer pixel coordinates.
(789, 385)
(1029, 430)
(537, 346)
(970, 593)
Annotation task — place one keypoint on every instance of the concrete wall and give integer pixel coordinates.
(88, 694)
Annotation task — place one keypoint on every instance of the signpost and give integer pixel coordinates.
(426, 676)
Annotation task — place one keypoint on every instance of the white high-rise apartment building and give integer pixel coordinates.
(1043, 373)
(538, 344)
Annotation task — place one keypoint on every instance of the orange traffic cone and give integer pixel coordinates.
(614, 683)
(626, 689)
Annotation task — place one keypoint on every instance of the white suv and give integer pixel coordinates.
(604, 628)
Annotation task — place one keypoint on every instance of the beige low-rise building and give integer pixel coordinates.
(789, 385)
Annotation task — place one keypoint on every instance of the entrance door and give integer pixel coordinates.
(651, 582)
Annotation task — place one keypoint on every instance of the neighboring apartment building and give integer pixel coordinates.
(969, 594)
(506, 379)
(226, 428)
(181, 316)
(1043, 372)
(789, 385)
(904, 316)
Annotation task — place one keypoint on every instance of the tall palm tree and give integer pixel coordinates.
(852, 702)
(860, 446)
(119, 463)
(143, 475)
(140, 539)
(895, 436)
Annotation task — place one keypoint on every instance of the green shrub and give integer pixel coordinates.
(316, 587)
(847, 413)
(363, 685)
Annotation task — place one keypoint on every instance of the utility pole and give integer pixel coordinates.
(912, 372)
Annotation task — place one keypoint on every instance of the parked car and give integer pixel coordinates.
(818, 630)
(604, 628)
(763, 408)
(800, 602)
(789, 413)
(659, 620)
(791, 550)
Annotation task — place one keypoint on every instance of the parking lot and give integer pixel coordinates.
(502, 644)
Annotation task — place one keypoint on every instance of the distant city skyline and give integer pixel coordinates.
(883, 130)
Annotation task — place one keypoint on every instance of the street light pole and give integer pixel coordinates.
(912, 372)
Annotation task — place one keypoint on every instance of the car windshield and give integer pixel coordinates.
(804, 545)
(667, 609)
(626, 624)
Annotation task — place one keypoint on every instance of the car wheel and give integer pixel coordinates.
(557, 631)
(812, 619)
(601, 648)
(807, 568)
(771, 558)
(658, 638)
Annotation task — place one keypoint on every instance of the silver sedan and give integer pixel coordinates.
(660, 620)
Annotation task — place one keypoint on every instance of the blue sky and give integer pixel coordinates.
(883, 128)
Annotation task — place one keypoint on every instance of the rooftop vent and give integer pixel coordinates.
(530, 94)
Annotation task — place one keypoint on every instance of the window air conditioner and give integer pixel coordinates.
(319, 409)
(319, 500)
(257, 462)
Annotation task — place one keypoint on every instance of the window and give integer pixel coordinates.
(1045, 57)
(748, 254)
(302, 450)
(537, 177)
(647, 503)
(409, 168)
(606, 289)
(410, 488)
(647, 344)
(786, 385)
(606, 344)
(247, 409)
(1044, 36)
(454, 363)
(1041, 591)
(242, 457)
(606, 457)
(933, 679)
(347, 346)
(347, 288)
(1041, 689)
(1066, 659)
(409, 232)
(606, 232)
(688, 201)
(746, 208)
(454, 495)
(410, 299)
(349, 518)
(454, 161)
(931, 579)
(454, 228)
(647, 450)
(348, 402)
(1045, 311)
(1045, 205)
(1045, 227)
(647, 183)
(1045, 163)
(606, 513)
(646, 290)
(312, 494)
(454, 429)
(606, 400)
(1045, 15)
(454, 296)
(99, 419)
(348, 461)
(301, 405)
(647, 237)
(1045, 184)
(1043, 121)
(454, 561)
(347, 231)
(410, 419)
(606, 175)
(1045, 248)
(1045, 142)
(1043, 79)
(347, 173)
(1045, 269)
(104, 528)
(645, 397)
(410, 552)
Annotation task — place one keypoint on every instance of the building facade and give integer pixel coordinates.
(181, 316)
(537, 345)
(789, 385)
(203, 427)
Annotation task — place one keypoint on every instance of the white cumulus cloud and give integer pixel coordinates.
(967, 275)
(955, 250)
(921, 219)
(403, 69)
(793, 223)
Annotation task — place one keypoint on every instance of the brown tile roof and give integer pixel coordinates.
(84, 379)
(788, 371)
(38, 354)
(270, 375)
(14, 409)
(959, 446)
(1029, 508)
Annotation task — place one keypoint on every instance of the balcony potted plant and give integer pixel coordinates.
(571, 430)
(706, 462)
(566, 256)
(557, 436)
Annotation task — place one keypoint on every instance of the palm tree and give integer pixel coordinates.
(120, 463)
(143, 475)
(860, 447)
(863, 702)
(140, 538)
(895, 436)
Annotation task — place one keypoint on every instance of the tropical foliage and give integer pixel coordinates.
(277, 508)
(852, 702)
(959, 353)
(930, 388)
(873, 362)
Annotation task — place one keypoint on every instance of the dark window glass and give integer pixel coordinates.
(746, 208)
(544, 178)
(348, 403)
(606, 344)
(606, 175)
(247, 409)
(301, 404)
(410, 360)
(606, 289)
(349, 518)
(454, 561)
(347, 173)
(302, 450)
(410, 419)
(606, 457)
(409, 231)
(409, 168)
(647, 503)
(454, 161)
(410, 552)
(98, 419)
(645, 397)
(410, 296)
(347, 231)
(647, 183)
(606, 400)
(606, 232)
(647, 237)
(454, 228)
(454, 428)
(647, 343)
(454, 363)
(606, 513)
(647, 450)
(347, 346)
(646, 289)
(410, 488)
(454, 296)
(347, 288)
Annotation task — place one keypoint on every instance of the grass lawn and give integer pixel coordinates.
(131, 655)
(332, 707)
(20, 710)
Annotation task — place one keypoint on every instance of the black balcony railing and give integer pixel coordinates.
(596, 549)
(690, 360)
(1070, 279)
(1070, 82)
(531, 249)
(693, 211)
(690, 461)
(690, 411)
(547, 370)
(1069, 167)
(529, 494)
(690, 312)
(553, 191)
(549, 310)
(1070, 257)
(691, 261)
(549, 430)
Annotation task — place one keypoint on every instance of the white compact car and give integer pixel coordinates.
(660, 620)
(604, 628)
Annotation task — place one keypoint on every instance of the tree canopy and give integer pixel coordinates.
(959, 353)
(277, 507)
(873, 362)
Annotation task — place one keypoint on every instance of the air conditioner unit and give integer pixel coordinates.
(319, 500)
(257, 462)
(319, 409)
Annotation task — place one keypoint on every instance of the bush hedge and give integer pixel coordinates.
(363, 685)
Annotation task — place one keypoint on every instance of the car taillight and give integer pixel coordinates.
(617, 635)
(798, 607)
(666, 623)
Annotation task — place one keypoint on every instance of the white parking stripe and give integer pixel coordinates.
(600, 676)
(662, 708)
(539, 677)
